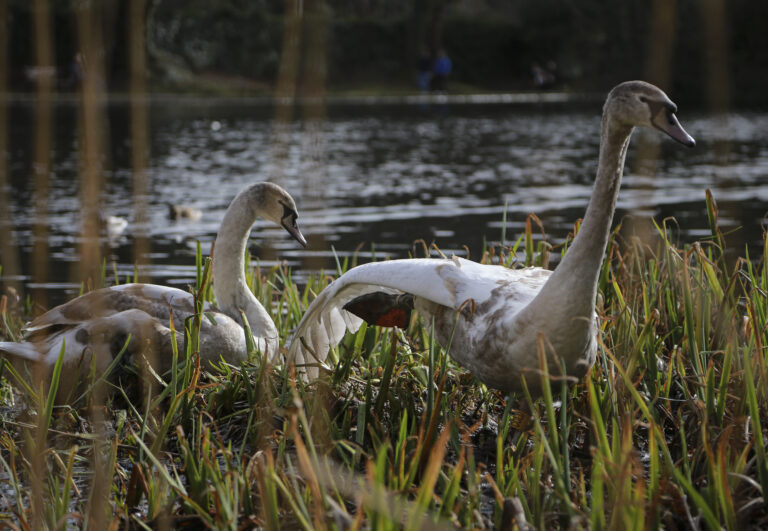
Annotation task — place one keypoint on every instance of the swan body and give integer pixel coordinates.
(495, 320)
(96, 326)
(480, 301)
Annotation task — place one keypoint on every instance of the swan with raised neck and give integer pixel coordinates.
(96, 326)
(567, 298)
(494, 318)
(274, 204)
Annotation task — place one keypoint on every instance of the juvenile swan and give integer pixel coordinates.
(95, 326)
(499, 314)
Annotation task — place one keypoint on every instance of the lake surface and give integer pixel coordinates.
(374, 177)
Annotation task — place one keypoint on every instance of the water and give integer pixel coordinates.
(377, 178)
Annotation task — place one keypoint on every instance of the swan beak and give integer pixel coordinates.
(294, 231)
(666, 121)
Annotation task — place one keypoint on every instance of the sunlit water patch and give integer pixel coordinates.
(380, 176)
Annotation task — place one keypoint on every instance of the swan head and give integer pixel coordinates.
(637, 103)
(277, 206)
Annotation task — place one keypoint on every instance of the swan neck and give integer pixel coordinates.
(229, 282)
(588, 248)
(574, 281)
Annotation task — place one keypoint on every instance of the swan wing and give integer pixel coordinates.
(107, 333)
(138, 309)
(156, 301)
(446, 282)
(144, 337)
(482, 283)
(324, 324)
(91, 346)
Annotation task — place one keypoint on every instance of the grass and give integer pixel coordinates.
(665, 430)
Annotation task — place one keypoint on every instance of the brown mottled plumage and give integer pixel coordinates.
(96, 326)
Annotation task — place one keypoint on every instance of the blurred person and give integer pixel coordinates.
(440, 72)
(424, 75)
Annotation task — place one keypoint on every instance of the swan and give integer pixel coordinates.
(95, 326)
(493, 318)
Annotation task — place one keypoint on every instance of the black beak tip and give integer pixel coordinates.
(299, 237)
(296, 235)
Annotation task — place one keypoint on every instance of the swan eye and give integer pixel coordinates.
(643, 99)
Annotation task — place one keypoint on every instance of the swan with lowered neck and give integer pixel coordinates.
(493, 317)
(96, 326)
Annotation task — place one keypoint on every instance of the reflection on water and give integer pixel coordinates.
(378, 176)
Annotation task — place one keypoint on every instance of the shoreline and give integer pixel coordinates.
(479, 98)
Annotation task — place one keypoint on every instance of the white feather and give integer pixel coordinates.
(446, 282)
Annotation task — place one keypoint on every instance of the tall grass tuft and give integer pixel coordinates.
(666, 430)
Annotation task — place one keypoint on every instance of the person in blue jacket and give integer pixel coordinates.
(440, 72)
